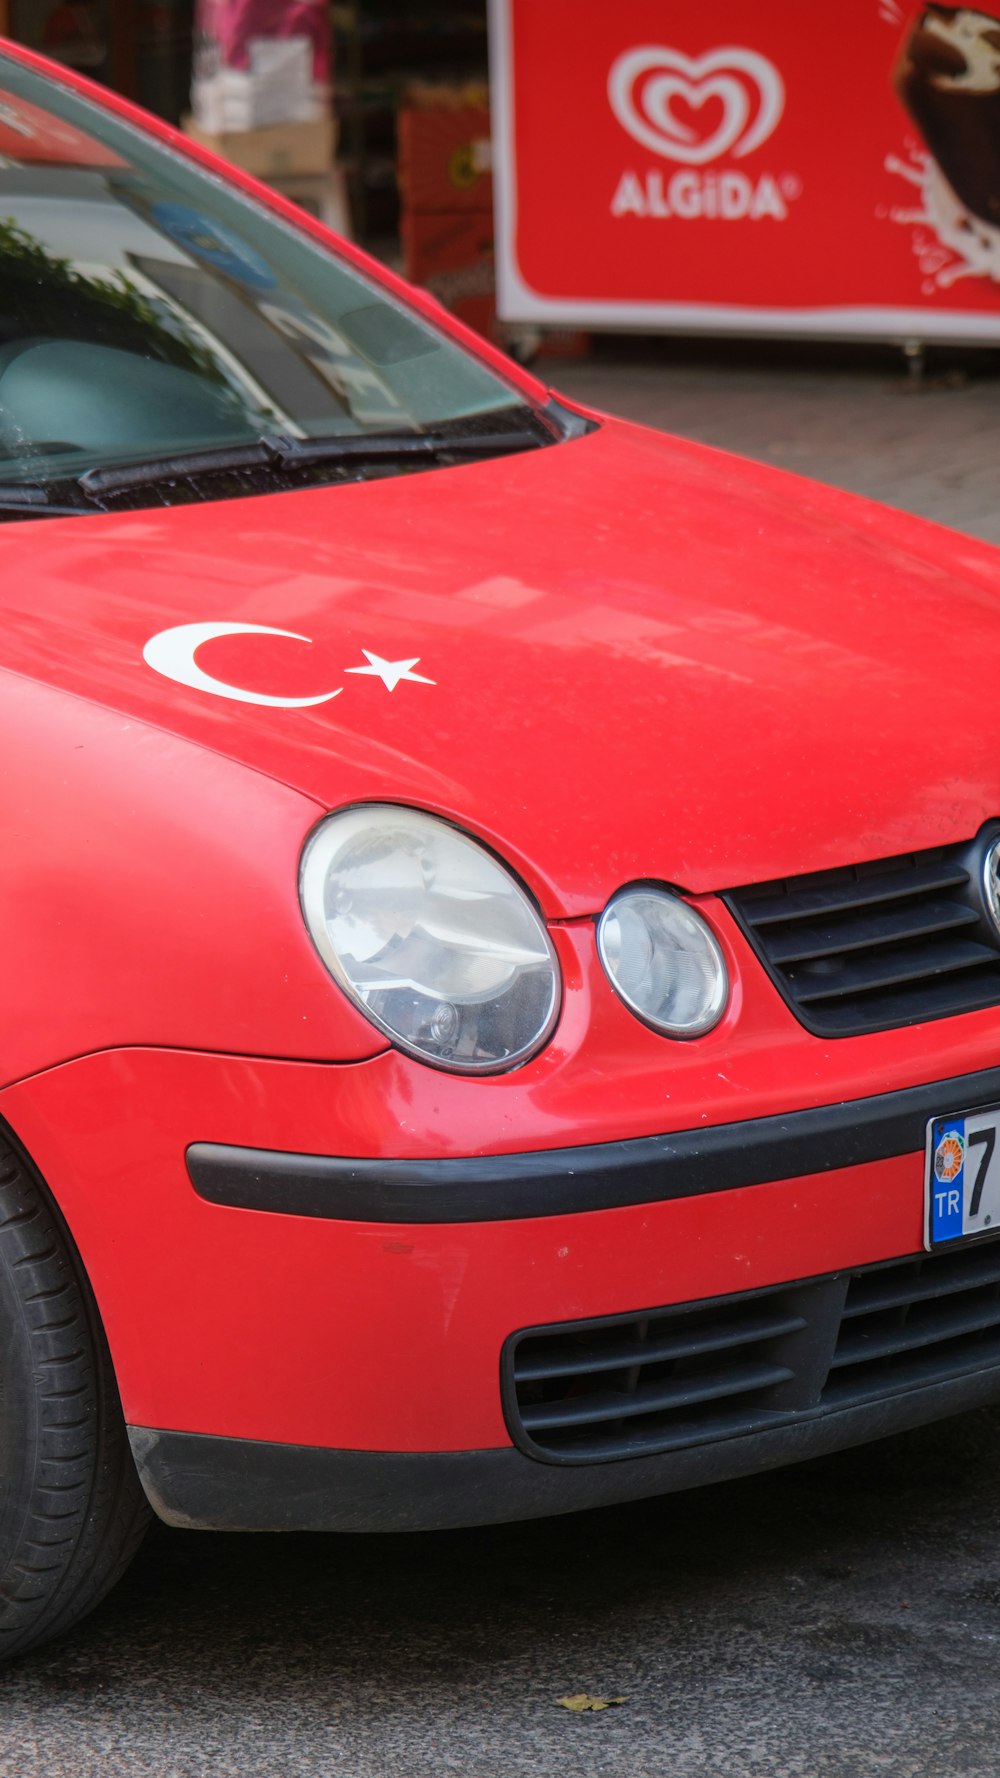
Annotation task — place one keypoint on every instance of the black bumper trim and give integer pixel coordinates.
(226, 1484)
(601, 1176)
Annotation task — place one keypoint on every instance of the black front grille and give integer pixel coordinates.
(637, 1385)
(899, 1320)
(878, 945)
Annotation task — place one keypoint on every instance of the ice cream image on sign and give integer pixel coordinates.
(948, 77)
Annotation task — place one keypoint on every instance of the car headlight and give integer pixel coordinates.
(430, 937)
(664, 962)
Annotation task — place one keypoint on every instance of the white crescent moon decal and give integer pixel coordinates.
(172, 652)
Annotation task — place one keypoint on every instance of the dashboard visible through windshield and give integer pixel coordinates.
(164, 338)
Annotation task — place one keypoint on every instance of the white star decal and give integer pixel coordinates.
(390, 672)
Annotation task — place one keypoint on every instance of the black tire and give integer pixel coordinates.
(72, 1512)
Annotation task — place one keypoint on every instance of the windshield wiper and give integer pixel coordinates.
(26, 500)
(275, 451)
(457, 441)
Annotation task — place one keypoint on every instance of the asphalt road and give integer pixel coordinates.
(838, 1620)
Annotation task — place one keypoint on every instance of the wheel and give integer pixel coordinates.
(72, 1512)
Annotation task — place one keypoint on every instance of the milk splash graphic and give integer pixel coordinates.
(963, 246)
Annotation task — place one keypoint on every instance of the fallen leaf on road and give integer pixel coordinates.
(583, 1701)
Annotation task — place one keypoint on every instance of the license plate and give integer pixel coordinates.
(963, 1176)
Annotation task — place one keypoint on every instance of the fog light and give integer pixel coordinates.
(664, 962)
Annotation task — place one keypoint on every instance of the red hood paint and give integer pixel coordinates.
(648, 659)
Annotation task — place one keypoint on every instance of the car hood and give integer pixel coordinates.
(622, 657)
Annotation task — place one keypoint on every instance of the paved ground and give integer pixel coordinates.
(932, 447)
(840, 1620)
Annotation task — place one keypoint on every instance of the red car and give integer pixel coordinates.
(502, 931)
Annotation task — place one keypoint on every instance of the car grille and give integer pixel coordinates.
(878, 945)
(636, 1385)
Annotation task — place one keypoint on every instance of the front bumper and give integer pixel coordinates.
(278, 1353)
(221, 1484)
(595, 1176)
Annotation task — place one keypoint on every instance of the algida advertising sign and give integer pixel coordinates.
(773, 168)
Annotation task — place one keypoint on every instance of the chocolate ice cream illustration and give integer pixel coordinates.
(948, 77)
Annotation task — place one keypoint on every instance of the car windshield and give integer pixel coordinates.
(150, 313)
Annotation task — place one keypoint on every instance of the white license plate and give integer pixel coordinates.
(963, 1177)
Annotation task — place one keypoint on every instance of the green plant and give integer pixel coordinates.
(44, 295)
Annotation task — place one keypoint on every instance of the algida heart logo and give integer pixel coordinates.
(739, 92)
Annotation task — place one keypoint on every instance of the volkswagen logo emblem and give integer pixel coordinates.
(991, 881)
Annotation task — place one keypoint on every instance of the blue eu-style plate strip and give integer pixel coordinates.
(947, 1182)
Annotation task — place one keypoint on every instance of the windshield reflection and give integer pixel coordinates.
(146, 308)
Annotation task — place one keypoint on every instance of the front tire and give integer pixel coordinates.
(72, 1512)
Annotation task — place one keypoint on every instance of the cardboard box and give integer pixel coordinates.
(445, 159)
(281, 149)
(452, 257)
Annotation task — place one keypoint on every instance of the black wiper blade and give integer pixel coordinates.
(23, 494)
(121, 476)
(278, 452)
(28, 500)
(388, 447)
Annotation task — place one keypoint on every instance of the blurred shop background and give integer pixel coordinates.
(650, 171)
(372, 114)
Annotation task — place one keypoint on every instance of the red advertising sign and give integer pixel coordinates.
(776, 168)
